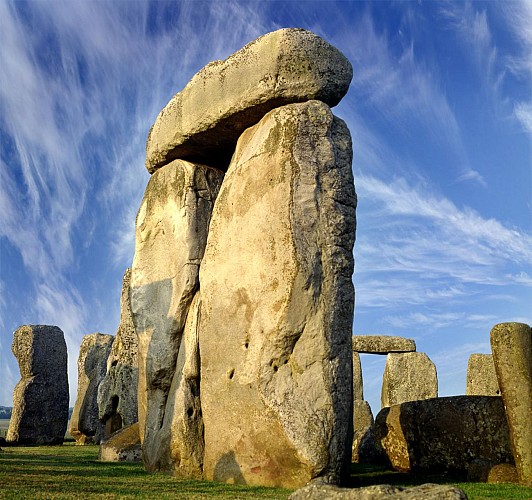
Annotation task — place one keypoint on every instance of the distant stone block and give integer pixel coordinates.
(40, 399)
(408, 377)
(481, 376)
(382, 344)
(122, 446)
(358, 383)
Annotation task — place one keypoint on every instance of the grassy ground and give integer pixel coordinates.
(73, 472)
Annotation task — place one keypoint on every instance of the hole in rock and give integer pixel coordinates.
(190, 412)
(231, 373)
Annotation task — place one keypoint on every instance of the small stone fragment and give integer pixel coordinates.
(382, 344)
(85, 427)
(481, 376)
(408, 377)
(40, 399)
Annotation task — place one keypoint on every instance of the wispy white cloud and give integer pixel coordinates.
(523, 113)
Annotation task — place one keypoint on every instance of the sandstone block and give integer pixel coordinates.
(408, 377)
(382, 344)
(316, 491)
(85, 425)
(277, 304)
(484, 471)
(40, 399)
(358, 382)
(203, 122)
(122, 446)
(171, 232)
(117, 394)
(444, 435)
(511, 344)
(481, 377)
(362, 431)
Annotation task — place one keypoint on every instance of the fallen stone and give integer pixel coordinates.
(511, 344)
(382, 344)
(122, 446)
(481, 377)
(85, 426)
(408, 377)
(117, 394)
(171, 232)
(277, 304)
(427, 491)
(203, 122)
(40, 399)
(485, 471)
(358, 382)
(444, 435)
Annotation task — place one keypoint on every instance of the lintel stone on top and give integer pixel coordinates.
(382, 344)
(203, 122)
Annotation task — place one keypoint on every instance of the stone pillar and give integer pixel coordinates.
(481, 377)
(511, 344)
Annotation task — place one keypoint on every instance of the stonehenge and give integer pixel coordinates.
(40, 399)
(481, 377)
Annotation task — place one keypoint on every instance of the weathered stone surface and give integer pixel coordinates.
(427, 491)
(277, 304)
(382, 344)
(362, 431)
(358, 382)
(481, 377)
(203, 122)
(117, 394)
(85, 426)
(171, 232)
(122, 446)
(40, 399)
(444, 434)
(484, 471)
(408, 377)
(511, 344)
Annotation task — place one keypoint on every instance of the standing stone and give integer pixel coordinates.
(85, 426)
(204, 121)
(444, 435)
(40, 400)
(408, 377)
(481, 377)
(277, 304)
(362, 433)
(511, 344)
(171, 232)
(382, 344)
(358, 383)
(117, 394)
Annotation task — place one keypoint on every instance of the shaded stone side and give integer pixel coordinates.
(481, 379)
(117, 394)
(277, 304)
(203, 122)
(40, 399)
(408, 377)
(382, 344)
(511, 344)
(171, 232)
(444, 434)
(85, 425)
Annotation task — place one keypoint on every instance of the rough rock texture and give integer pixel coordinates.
(358, 382)
(408, 377)
(382, 344)
(511, 344)
(444, 434)
(427, 491)
(481, 377)
(122, 446)
(117, 394)
(171, 232)
(40, 399)
(85, 425)
(363, 444)
(484, 471)
(203, 122)
(277, 304)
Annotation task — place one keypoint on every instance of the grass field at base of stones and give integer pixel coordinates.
(71, 471)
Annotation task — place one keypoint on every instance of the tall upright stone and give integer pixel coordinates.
(277, 304)
(481, 379)
(511, 344)
(85, 426)
(408, 376)
(171, 232)
(40, 399)
(117, 394)
(358, 382)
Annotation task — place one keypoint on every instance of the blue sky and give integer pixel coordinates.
(440, 110)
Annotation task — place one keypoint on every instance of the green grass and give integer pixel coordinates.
(70, 471)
